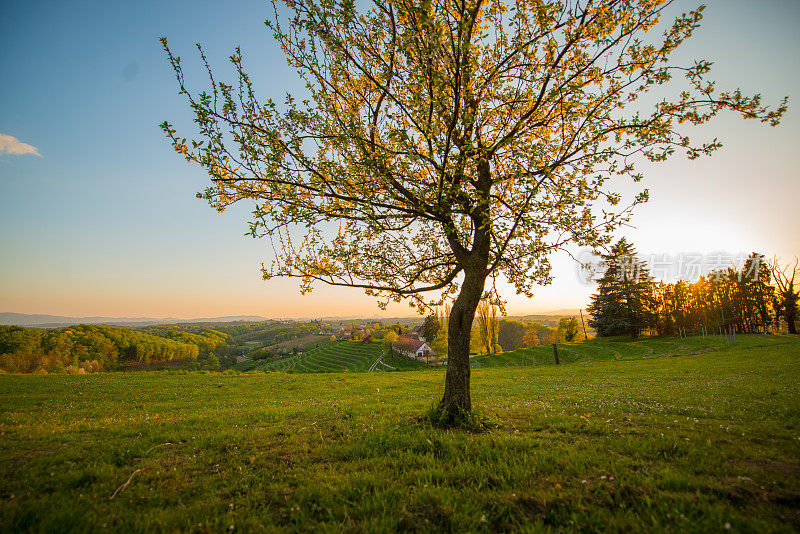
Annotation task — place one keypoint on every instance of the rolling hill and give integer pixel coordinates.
(339, 356)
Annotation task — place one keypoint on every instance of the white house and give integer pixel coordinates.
(413, 348)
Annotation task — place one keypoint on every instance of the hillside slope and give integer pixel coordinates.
(339, 356)
(88, 347)
(606, 349)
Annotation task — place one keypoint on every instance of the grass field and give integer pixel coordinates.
(339, 356)
(620, 349)
(701, 442)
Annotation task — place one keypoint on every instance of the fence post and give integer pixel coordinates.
(555, 353)
(585, 335)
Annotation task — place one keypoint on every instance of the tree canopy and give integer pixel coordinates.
(448, 143)
(104, 347)
(568, 329)
(531, 338)
(510, 334)
(431, 327)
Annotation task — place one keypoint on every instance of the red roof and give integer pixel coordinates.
(407, 344)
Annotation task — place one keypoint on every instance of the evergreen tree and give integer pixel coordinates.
(624, 303)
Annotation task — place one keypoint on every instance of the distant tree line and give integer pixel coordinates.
(277, 332)
(88, 348)
(630, 302)
(490, 333)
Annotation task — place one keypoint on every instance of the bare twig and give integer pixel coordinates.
(122, 487)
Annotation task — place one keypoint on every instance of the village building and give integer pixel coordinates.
(417, 333)
(411, 347)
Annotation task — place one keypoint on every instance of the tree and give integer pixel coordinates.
(439, 343)
(430, 327)
(211, 363)
(623, 304)
(531, 338)
(739, 297)
(389, 340)
(452, 143)
(568, 329)
(753, 292)
(510, 335)
(487, 326)
(788, 292)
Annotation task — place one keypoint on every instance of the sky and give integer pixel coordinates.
(98, 215)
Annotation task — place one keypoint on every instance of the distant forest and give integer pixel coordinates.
(89, 348)
(203, 346)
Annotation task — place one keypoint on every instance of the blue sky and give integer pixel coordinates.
(104, 221)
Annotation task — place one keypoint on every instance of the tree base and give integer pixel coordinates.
(440, 416)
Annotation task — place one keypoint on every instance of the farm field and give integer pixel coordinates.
(698, 442)
(338, 356)
(307, 342)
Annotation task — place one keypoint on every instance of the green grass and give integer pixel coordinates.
(606, 349)
(398, 362)
(684, 442)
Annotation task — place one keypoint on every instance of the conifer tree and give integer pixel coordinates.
(624, 303)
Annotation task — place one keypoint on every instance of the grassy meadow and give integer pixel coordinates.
(608, 349)
(687, 440)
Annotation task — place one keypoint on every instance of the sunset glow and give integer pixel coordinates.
(98, 216)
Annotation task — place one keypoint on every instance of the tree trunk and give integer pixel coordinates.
(456, 385)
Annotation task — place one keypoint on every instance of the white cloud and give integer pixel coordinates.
(12, 145)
